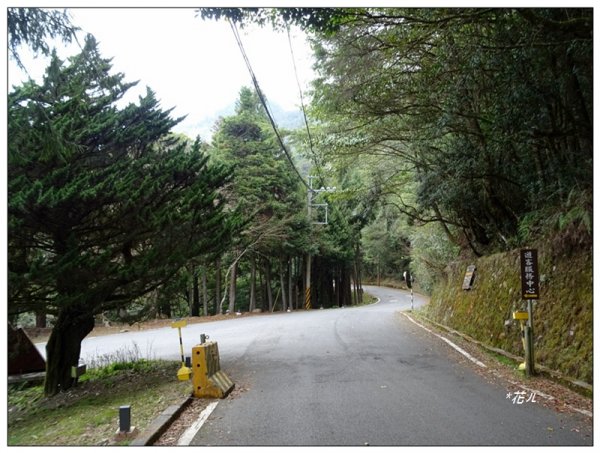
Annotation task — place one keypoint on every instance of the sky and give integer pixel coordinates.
(192, 64)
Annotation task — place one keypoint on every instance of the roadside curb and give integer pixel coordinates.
(160, 424)
(566, 380)
(188, 435)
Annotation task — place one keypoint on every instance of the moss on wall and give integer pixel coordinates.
(563, 316)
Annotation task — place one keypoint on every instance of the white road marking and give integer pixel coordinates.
(473, 359)
(191, 432)
(581, 411)
(458, 348)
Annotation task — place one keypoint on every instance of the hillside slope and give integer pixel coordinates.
(563, 316)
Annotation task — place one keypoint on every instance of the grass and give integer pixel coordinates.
(506, 361)
(88, 413)
(368, 299)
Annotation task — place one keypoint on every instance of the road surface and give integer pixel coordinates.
(352, 376)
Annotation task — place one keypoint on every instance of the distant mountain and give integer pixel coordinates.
(204, 126)
(285, 119)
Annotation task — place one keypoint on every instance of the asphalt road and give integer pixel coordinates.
(350, 376)
(366, 375)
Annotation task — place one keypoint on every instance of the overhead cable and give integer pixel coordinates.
(310, 141)
(264, 102)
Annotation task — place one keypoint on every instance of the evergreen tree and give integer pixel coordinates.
(99, 214)
(264, 188)
(33, 26)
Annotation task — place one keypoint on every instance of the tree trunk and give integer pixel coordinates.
(218, 286)
(40, 319)
(328, 285)
(338, 288)
(263, 290)
(195, 311)
(164, 308)
(452, 237)
(299, 286)
(282, 284)
(354, 292)
(359, 289)
(64, 347)
(268, 284)
(252, 284)
(306, 287)
(204, 292)
(290, 285)
(233, 287)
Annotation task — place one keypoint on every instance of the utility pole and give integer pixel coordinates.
(310, 204)
(307, 303)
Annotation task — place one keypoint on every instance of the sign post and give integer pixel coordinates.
(530, 290)
(184, 373)
(469, 276)
(409, 279)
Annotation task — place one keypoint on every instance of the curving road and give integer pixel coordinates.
(351, 376)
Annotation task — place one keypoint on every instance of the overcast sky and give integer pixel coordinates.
(192, 64)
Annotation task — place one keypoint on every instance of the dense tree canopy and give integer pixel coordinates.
(490, 108)
(264, 189)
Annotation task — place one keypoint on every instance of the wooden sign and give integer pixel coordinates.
(469, 276)
(530, 280)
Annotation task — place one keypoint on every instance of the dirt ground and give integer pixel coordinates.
(39, 335)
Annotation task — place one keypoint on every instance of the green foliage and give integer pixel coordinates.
(568, 225)
(326, 20)
(33, 26)
(263, 188)
(490, 109)
(116, 368)
(266, 193)
(104, 206)
(386, 248)
(90, 194)
(431, 251)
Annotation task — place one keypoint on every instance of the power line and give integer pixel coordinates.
(264, 102)
(310, 140)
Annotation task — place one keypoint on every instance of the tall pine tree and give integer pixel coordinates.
(99, 212)
(264, 188)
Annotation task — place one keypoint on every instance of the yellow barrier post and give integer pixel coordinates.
(522, 317)
(184, 373)
(207, 378)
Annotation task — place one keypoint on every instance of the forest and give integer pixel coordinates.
(430, 134)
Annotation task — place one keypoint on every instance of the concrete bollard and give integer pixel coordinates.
(208, 379)
(125, 431)
(124, 419)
